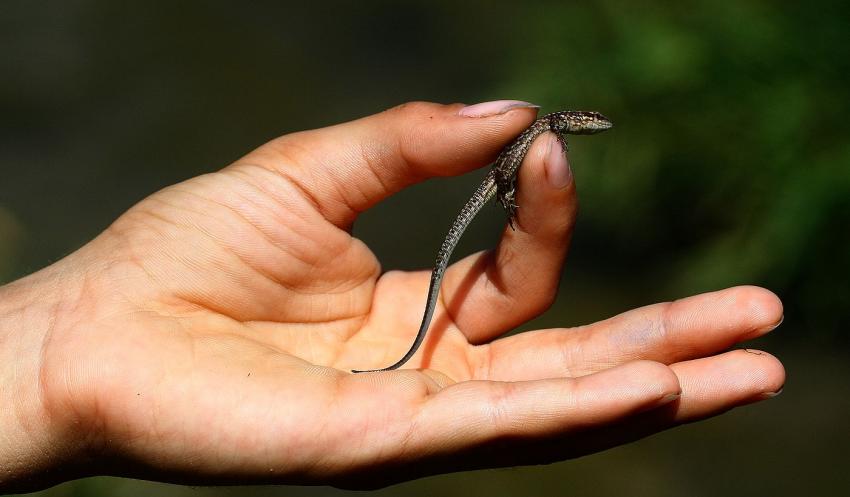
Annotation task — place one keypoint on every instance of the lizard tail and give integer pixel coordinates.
(485, 191)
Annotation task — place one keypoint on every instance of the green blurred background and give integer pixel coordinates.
(729, 164)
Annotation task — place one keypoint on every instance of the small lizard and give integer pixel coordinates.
(500, 182)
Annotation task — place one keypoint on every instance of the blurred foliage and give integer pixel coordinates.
(729, 164)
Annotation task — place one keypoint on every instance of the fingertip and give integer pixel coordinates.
(496, 107)
(712, 385)
(642, 384)
(546, 165)
(657, 379)
(444, 140)
(533, 168)
(761, 307)
(546, 195)
(767, 373)
(558, 171)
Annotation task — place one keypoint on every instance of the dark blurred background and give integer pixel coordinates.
(729, 164)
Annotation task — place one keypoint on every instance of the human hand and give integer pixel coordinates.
(206, 336)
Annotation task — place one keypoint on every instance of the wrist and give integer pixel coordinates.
(33, 440)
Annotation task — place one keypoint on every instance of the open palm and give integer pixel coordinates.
(216, 322)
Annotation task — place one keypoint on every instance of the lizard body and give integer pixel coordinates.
(501, 183)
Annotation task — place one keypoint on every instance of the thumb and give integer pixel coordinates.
(347, 168)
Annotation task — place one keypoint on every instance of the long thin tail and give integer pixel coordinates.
(482, 195)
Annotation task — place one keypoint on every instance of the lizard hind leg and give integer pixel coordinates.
(506, 194)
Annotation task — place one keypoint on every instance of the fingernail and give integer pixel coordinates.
(767, 329)
(770, 395)
(777, 324)
(494, 108)
(663, 401)
(557, 166)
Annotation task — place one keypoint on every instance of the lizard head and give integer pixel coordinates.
(579, 122)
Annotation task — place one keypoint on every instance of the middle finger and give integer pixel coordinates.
(671, 332)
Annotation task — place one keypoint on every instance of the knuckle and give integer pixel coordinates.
(662, 325)
(412, 109)
(498, 406)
